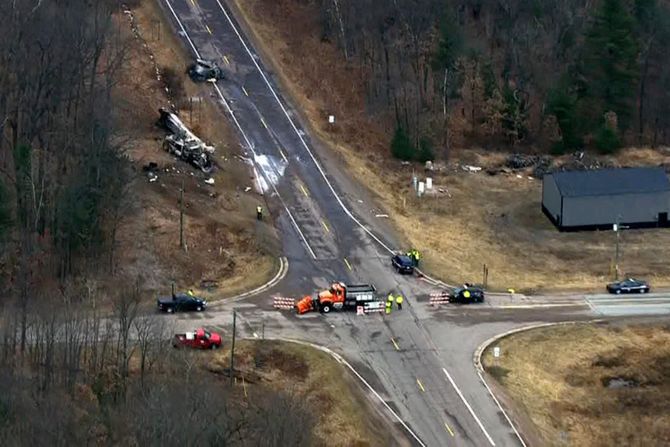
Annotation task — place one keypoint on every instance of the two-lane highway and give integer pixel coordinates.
(418, 360)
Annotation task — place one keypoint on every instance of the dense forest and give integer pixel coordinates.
(63, 174)
(559, 75)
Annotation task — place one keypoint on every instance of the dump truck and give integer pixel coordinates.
(340, 296)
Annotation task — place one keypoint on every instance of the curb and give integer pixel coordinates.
(477, 360)
(281, 273)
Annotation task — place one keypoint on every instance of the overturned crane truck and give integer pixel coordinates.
(340, 296)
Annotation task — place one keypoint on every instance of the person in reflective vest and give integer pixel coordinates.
(398, 301)
(259, 212)
(389, 307)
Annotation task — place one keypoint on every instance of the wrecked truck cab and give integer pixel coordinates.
(204, 70)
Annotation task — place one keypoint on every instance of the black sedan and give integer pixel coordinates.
(403, 264)
(181, 302)
(629, 285)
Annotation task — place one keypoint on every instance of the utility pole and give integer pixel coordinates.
(617, 229)
(232, 350)
(181, 216)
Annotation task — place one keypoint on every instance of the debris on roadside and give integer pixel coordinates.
(470, 168)
(183, 143)
(210, 181)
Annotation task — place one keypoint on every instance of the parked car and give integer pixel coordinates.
(403, 264)
(181, 302)
(629, 285)
(203, 70)
(467, 294)
(198, 339)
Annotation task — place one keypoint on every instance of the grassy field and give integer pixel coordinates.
(589, 385)
(320, 380)
(480, 219)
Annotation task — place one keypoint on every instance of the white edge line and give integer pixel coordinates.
(342, 361)
(302, 140)
(244, 135)
(472, 412)
(281, 273)
(480, 368)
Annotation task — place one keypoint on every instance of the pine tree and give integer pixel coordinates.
(401, 145)
(610, 65)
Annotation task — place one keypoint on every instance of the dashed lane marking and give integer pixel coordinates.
(325, 227)
(472, 412)
(304, 191)
(208, 30)
(348, 265)
(245, 91)
(395, 344)
(448, 429)
(418, 382)
(225, 58)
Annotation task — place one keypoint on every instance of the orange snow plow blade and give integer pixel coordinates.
(304, 305)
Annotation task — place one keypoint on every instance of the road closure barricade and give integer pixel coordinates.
(374, 307)
(438, 298)
(280, 302)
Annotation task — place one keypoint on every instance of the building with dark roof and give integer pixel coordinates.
(581, 200)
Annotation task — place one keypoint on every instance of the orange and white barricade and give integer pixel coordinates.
(280, 302)
(438, 298)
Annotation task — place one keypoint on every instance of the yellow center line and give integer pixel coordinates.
(226, 59)
(448, 429)
(347, 262)
(420, 385)
(193, 2)
(304, 191)
(245, 91)
(208, 30)
(283, 155)
(395, 344)
(325, 227)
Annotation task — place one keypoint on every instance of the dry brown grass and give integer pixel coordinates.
(493, 220)
(557, 377)
(323, 382)
(225, 244)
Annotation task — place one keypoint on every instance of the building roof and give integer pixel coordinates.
(614, 181)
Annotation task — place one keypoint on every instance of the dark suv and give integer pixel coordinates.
(403, 264)
(467, 294)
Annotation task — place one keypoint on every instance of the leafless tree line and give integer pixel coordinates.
(63, 176)
(510, 54)
(111, 377)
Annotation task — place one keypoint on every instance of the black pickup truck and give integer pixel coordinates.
(181, 302)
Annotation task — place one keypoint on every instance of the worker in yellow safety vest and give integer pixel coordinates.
(390, 298)
(259, 212)
(398, 301)
(417, 257)
(389, 307)
(190, 292)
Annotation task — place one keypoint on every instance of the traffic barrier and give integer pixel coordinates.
(374, 307)
(283, 303)
(438, 298)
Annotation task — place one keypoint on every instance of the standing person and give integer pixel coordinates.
(190, 292)
(390, 297)
(398, 301)
(259, 212)
(389, 307)
(417, 257)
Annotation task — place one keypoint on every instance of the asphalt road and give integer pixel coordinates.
(418, 361)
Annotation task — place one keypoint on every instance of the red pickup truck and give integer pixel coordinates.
(198, 339)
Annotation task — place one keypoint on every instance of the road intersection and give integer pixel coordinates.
(418, 362)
